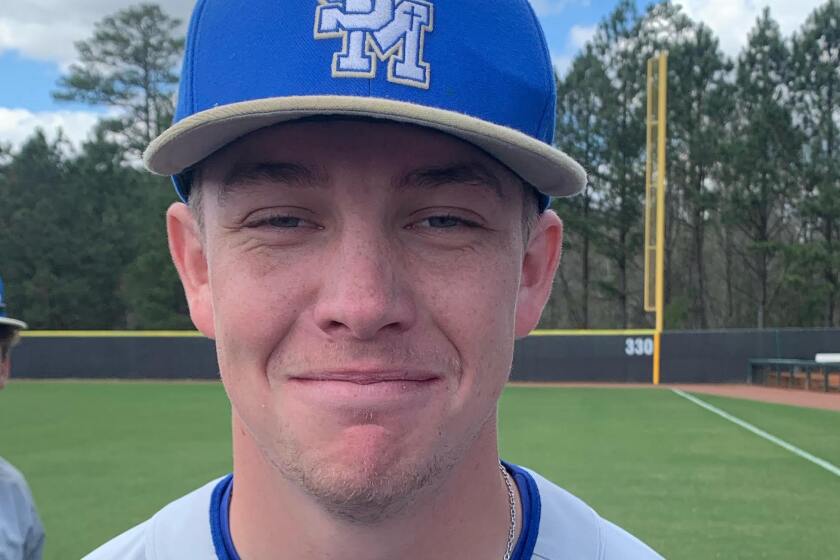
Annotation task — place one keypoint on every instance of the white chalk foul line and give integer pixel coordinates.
(833, 469)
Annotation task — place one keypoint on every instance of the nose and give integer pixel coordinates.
(364, 292)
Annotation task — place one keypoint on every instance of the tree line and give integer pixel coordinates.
(753, 174)
(753, 199)
(82, 232)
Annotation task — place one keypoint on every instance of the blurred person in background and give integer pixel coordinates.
(21, 532)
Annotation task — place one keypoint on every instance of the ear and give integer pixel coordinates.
(187, 249)
(542, 257)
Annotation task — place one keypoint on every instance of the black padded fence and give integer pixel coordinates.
(114, 357)
(724, 356)
(619, 357)
(614, 356)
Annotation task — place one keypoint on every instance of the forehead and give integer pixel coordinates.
(317, 151)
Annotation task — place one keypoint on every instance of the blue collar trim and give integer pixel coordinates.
(528, 492)
(529, 496)
(220, 520)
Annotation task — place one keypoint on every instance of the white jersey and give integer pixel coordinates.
(21, 532)
(556, 526)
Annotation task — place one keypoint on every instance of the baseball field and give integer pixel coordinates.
(101, 457)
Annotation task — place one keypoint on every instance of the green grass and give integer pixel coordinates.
(814, 431)
(103, 457)
(686, 481)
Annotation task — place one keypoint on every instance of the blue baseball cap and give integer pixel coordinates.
(477, 70)
(7, 320)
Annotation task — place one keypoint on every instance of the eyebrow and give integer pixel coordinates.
(247, 174)
(469, 173)
(242, 175)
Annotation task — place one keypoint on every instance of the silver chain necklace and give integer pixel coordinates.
(512, 502)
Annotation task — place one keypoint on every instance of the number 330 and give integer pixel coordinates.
(638, 347)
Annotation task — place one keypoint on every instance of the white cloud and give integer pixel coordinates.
(577, 38)
(562, 62)
(731, 20)
(579, 35)
(17, 125)
(548, 7)
(47, 29)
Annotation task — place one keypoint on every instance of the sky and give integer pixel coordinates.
(37, 37)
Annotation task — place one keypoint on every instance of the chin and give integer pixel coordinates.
(367, 488)
(362, 473)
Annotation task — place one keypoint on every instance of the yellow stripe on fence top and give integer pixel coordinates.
(112, 334)
(196, 334)
(594, 332)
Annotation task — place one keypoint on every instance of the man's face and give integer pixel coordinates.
(362, 282)
(5, 370)
(5, 360)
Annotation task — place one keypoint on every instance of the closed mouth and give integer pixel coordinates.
(368, 377)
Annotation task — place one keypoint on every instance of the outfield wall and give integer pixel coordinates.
(107, 356)
(599, 356)
(723, 356)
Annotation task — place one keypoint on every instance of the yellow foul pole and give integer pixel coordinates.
(655, 184)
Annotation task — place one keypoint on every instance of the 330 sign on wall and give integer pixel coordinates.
(638, 346)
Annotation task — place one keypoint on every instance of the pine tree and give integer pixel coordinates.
(762, 149)
(698, 104)
(619, 181)
(579, 101)
(149, 286)
(816, 56)
(32, 230)
(129, 63)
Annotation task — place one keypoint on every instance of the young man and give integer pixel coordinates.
(21, 532)
(367, 233)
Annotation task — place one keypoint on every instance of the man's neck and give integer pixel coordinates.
(467, 516)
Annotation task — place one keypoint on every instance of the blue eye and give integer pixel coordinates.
(444, 222)
(283, 222)
(448, 222)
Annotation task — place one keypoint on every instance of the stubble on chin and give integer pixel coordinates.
(368, 491)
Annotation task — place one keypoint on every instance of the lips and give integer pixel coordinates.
(368, 377)
(348, 391)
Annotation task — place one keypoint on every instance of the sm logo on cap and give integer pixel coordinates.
(392, 31)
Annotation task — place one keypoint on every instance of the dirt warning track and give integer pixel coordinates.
(793, 397)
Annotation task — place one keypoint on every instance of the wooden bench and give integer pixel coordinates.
(821, 374)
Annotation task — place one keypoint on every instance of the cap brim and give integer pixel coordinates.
(198, 136)
(13, 323)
